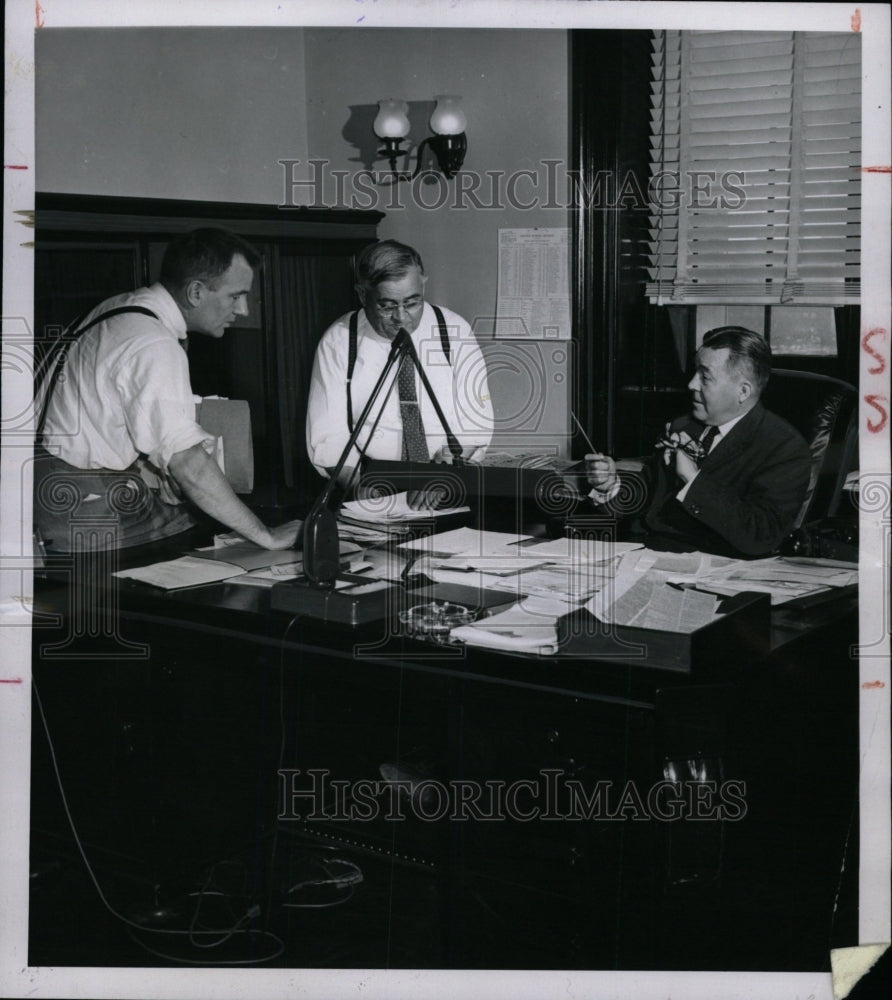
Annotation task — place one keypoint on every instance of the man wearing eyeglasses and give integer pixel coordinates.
(403, 425)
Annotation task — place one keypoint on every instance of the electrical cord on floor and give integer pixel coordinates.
(349, 877)
(222, 934)
(352, 874)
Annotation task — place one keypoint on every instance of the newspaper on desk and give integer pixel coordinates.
(785, 579)
(642, 593)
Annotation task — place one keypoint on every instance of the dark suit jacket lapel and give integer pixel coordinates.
(738, 439)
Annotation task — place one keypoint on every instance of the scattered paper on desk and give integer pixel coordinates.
(782, 579)
(495, 565)
(187, 571)
(580, 549)
(366, 534)
(466, 578)
(528, 460)
(274, 574)
(247, 555)
(683, 565)
(571, 582)
(466, 542)
(393, 507)
(650, 603)
(527, 627)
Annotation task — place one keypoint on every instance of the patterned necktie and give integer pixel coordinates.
(414, 441)
(706, 442)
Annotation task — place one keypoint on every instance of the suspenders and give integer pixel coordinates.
(351, 354)
(48, 373)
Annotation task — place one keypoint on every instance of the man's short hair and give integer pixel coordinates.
(385, 261)
(203, 255)
(745, 348)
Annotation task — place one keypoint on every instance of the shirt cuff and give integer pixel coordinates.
(683, 492)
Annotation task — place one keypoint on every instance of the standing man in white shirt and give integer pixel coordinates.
(119, 441)
(404, 425)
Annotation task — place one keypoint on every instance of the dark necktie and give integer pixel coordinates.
(706, 443)
(414, 441)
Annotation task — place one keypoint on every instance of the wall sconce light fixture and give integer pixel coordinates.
(449, 142)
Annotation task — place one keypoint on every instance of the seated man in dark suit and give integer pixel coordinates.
(730, 477)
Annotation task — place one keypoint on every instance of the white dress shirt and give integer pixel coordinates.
(460, 385)
(126, 390)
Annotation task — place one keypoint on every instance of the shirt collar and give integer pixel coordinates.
(726, 427)
(167, 310)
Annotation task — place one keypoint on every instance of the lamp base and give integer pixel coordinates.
(354, 600)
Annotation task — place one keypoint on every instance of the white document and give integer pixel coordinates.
(187, 571)
(782, 579)
(580, 550)
(393, 507)
(651, 603)
(527, 627)
(574, 583)
(684, 565)
(467, 542)
(534, 284)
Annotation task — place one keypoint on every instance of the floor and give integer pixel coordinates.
(300, 902)
(374, 913)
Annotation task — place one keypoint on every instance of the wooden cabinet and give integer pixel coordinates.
(89, 247)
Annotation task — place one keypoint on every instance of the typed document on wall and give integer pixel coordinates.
(534, 284)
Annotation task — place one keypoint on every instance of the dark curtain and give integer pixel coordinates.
(313, 291)
(299, 333)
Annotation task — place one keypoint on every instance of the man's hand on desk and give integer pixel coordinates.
(470, 453)
(282, 537)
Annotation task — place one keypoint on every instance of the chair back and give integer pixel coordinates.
(824, 410)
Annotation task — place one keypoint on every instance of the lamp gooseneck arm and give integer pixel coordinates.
(321, 543)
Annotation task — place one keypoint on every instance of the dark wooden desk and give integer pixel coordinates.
(180, 726)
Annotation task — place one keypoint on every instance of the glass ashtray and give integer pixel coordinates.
(435, 620)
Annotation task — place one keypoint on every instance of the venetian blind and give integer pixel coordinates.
(755, 167)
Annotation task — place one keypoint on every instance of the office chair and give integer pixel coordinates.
(824, 410)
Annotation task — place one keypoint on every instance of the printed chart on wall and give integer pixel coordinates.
(534, 284)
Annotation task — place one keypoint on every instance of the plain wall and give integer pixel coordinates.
(196, 113)
(514, 90)
(209, 113)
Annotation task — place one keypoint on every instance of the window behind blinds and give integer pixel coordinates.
(755, 167)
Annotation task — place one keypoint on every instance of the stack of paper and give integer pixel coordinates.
(784, 579)
(579, 550)
(188, 571)
(528, 627)
(470, 543)
(391, 509)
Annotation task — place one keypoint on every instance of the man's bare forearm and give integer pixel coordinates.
(203, 483)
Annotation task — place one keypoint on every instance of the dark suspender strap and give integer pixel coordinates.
(351, 361)
(351, 353)
(444, 333)
(55, 358)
